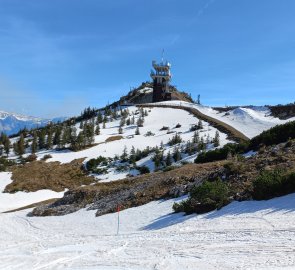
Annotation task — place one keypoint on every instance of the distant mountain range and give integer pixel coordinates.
(11, 123)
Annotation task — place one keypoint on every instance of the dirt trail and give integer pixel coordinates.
(233, 133)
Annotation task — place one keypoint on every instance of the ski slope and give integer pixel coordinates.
(242, 235)
(250, 121)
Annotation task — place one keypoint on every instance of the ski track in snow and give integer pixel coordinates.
(242, 235)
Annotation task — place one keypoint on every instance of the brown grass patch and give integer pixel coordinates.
(130, 192)
(114, 138)
(39, 175)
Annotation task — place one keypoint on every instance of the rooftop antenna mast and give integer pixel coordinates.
(162, 56)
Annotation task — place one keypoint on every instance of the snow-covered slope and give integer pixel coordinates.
(250, 121)
(11, 123)
(242, 235)
(154, 122)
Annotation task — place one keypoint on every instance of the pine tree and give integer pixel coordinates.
(133, 120)
(207, 139)
(158, 157)
(137, 132)
(176, 154)
(196, 137)
(99, 118)
(73, 136)
(81, 125)
(128, 122)
(124, 156)
(34, 143)
(216, 139)
(176, 139)
(132, 156)
(49, 139)
(57, 136)
(20, 146)
(199, 99)
(88, 134)
(168, 160)
(140, 122)
(200, 124)
(80, 144)
(201, 145)
(7, 144)
(41, 139)
(97, 130)
(122, 122)
(188, 148)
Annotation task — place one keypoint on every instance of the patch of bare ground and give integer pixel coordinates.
(134, 191)
(39, 175)
(114, 138)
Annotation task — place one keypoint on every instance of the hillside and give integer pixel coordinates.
(251, 121)
(143, 159)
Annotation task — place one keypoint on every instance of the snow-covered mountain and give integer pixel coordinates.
(11, 123)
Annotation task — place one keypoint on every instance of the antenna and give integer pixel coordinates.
(163, 56)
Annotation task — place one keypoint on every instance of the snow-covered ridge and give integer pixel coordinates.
(11, 123)
(251, 121)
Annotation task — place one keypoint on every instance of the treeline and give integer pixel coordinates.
(275, 135)
(64, 135)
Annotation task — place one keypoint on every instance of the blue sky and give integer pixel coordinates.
(59, 56)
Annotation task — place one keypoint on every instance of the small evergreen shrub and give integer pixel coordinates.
(204, 198)
(31, 158)
(270, 184)
(221, 153)
(4, 163)
(275, 135)
(93, 163)
(164, 128)
(47, 156)
(143, 169)
(169, 168)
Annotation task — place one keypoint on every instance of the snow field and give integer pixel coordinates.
(242, 235)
